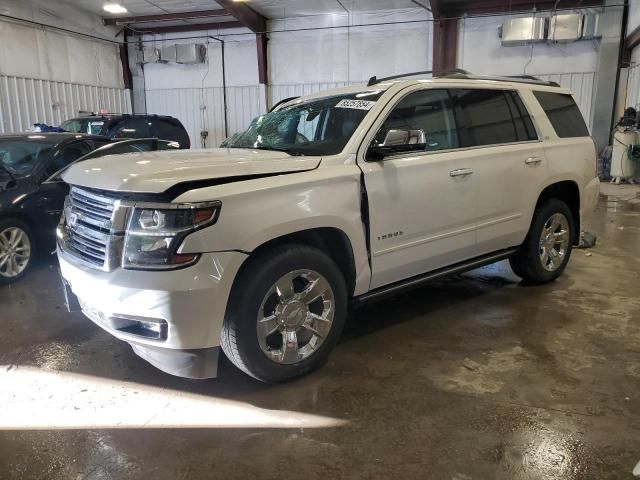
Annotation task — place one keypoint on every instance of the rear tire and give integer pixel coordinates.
(546, 251)
(286, 313)
(17, 250)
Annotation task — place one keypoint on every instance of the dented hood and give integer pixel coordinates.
(156, 172)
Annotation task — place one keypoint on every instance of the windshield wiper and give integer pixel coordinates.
(276, 149)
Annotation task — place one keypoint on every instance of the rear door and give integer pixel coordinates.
(508, 160)
(422, 196)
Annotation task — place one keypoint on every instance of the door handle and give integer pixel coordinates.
(460, 172)
(533, 161)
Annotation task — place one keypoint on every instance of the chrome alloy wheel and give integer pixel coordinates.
(554, 241)
(295, 316)
(15, 252)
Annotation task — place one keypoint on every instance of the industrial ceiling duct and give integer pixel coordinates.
(524, 30)
(590, 26)
(191, 53)
(150, 55)
(566, 27)
(168, 53)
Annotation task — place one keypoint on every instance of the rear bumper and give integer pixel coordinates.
(172, 319)
(590, 194)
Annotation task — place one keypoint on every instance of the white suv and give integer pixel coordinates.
(260, 247)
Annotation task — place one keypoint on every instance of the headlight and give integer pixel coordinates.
(155, 232)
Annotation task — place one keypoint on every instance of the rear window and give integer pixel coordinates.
(84, 125)
(563, 113)
(491, 117)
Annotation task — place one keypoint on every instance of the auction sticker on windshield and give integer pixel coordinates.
(357, 104)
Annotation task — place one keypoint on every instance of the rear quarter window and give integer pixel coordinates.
(167, 130)
(563, 113)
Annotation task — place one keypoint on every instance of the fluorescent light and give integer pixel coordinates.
(114, 8)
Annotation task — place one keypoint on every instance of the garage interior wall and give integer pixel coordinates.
(573, 65)
(305, 55)
(48, 76)
(633, 84)
(194, 93)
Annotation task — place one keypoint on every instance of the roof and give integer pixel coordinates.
(459, 80)
(118, 115)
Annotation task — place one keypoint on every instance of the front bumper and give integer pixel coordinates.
(172, 319)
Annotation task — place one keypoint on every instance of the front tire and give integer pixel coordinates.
(546, 251)
(285, 314)
(16, 250)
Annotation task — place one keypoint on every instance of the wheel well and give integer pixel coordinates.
(26, 219)
(569, 193)
(332, 241)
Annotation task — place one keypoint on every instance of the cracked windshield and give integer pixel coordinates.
(317, 127)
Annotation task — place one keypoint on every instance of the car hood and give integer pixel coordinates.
(157, 172)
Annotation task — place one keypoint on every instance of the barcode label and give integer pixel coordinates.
(357, 104)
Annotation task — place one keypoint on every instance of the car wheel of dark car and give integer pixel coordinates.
(16, 250)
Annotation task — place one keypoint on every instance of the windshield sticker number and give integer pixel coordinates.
(356, 104)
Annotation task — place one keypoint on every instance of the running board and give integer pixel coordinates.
(420, 280)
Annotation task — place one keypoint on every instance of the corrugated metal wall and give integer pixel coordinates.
(25, 101)
(203, 109)
(279, 92)
(582, 85)
(633, 88)
(246, 103)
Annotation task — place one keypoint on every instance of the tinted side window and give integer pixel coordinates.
(488, 117)
(167, 130)
(422, 120)
(563, 113)
(66, 156)
(132, 128)
(521, 118)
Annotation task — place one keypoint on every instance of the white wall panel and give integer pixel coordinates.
(480, 51)
(334, 48)
(25, 101)
(280, 92)
(633, 20)
(243, 104)
(633, 88)
(26, 51)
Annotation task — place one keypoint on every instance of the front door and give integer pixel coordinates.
(422, 194)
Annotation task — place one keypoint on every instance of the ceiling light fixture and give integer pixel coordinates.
(114, 8)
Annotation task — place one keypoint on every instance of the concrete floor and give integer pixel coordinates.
(476, 377)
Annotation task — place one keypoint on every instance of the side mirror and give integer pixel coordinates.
(403, 137)
(397, 141)
(6, 180)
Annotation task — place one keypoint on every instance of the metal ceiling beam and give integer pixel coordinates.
(261, 43)
(165, 17)
(245, 15)
(435, 8)
(507, 6)
(188, 27)
(630, 42)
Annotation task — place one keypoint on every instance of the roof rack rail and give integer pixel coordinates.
(375, 80)
(533, 79)
(463, 74)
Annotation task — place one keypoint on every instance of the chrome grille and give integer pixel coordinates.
(95, 209)
(87, 228)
